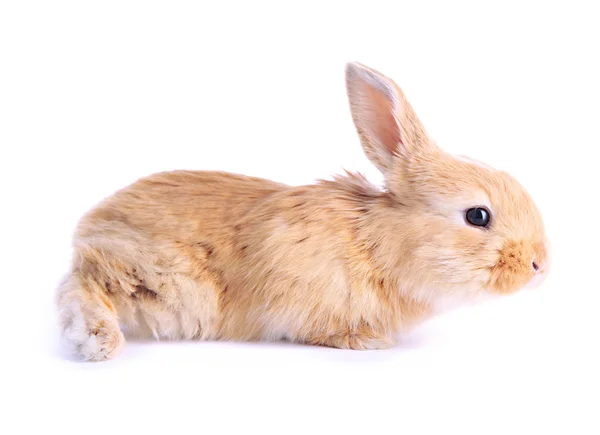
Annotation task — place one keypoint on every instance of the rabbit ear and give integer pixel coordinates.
(384, 120)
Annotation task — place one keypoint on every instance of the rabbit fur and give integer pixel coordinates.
(341, 263)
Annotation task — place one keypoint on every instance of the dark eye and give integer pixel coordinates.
(478, 216)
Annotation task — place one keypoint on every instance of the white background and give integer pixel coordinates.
(94, 95)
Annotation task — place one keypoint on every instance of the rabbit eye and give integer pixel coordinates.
(478, 216)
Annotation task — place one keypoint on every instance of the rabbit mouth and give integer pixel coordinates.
(537, 279)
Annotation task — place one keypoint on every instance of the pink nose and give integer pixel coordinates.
(540, 261)
(538, 266)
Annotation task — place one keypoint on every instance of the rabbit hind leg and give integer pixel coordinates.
(88, 319)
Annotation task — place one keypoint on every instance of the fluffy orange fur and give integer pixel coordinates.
(212, 255)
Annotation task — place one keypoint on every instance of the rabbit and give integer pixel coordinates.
(341, 263)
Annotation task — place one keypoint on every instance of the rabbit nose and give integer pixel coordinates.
(539, 275)
(537, 266)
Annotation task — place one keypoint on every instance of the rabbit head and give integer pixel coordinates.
(459, 224)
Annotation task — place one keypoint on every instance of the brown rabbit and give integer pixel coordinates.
(212, 255)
